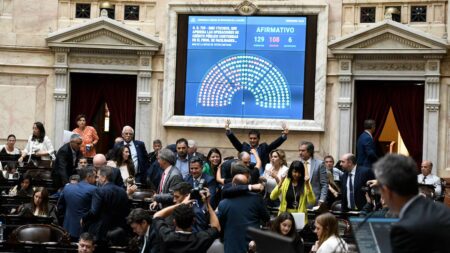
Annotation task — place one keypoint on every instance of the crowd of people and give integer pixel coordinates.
(199, 198)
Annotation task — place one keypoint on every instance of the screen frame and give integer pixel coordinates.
(173, 107)
(309, 70)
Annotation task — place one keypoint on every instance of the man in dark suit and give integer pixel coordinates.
(75, 201)
(424, 225)
(171, 176)
(353, 179)
(66, 161)
(99, 161)
(157, 146)
(196, 176)
(251, 212)
(140, 221)
(315, 170)
(109, 207)
(254, 137)
(138, 153)
(365, 148)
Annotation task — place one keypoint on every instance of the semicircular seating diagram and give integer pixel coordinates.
(244, 72)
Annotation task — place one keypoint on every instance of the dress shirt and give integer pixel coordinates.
(183, 166)
(164, 175)
(431, 180)
(353, 172)
(308, 171)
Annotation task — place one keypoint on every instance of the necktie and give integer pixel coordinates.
(195, 183)
(352, 196)
(161, 182)
(423, 180)
(306, 168)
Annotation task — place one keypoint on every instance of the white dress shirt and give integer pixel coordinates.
(431, 180)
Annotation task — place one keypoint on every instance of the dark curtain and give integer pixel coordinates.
(121, 102)
(372, 104)
(84, 99)
(407, 106)
(374, 98)
(89, 91)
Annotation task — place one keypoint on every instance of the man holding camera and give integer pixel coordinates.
(198, 180)
(181, 238)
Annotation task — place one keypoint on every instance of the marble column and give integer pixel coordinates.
(431, 113)
(60, 94)
(144, 98)
(345, 101)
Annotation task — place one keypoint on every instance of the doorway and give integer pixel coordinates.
(397, 108)
(108, 101)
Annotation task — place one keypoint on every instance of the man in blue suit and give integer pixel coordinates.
(365, 147)
(195, 177)
(237, 214)
(353, 179)
(75, 201)
(138, 152)
(109, 208)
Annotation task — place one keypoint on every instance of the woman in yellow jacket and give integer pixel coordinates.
(296, 192)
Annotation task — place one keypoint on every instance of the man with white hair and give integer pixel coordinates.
(192, 150)
(138, 153)
(66, 161)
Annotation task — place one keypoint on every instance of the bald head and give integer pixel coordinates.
(426, 167)
(99, 161)
(240, 179)
(348, 161)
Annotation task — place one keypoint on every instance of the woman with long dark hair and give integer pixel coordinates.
(213, 160)
(284, 224)
(123, 161)
(38, 144)
(88, 134)
(327, 232)
(24, 188)
(295, 190)
(39, 205)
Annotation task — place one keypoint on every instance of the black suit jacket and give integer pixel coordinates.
(362, 175)
(424, 227)
(64, 167)
(108, 210)
(143, 160)
(263, 148)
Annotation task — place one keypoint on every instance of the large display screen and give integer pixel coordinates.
(248, 67)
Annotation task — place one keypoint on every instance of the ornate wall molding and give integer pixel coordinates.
(344, 105)
(104, 32)
(246, 8)
(388, 36)
(61, 71)
(103, 60)
(59, 96)
(432, 107)
(144, 100)
(389, 66)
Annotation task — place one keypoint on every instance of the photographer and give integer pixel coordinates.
(198, 180)
(375, 206)
(182, 238)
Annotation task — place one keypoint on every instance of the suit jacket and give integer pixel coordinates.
(75, 201)
(424, 227)
(143, 160)
(108, 210)
(251, 209)
(365, 151)
(263, 148)
(174, 177)
(318, 179)
(64, 167)
(154, 176)
(362, 175)
(210, 182)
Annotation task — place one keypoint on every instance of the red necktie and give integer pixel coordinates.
(162, 182)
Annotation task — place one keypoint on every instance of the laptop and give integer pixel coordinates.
(270, 242)
(372, 235)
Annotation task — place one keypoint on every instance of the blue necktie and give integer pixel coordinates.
(352, 194)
